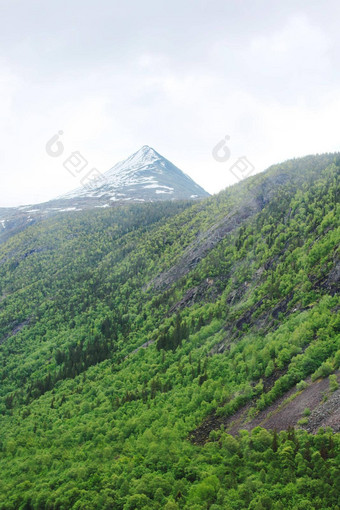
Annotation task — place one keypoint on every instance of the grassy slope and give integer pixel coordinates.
(88, 423)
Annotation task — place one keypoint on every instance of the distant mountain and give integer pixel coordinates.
(146, 176)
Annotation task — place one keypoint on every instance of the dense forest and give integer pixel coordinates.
(150, 354)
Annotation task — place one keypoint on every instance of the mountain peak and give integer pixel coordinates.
(146, 148)
(144, 155)
(145, 176)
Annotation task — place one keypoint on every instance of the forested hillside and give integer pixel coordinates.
(176, 354)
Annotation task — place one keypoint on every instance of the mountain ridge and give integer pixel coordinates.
(145, 176)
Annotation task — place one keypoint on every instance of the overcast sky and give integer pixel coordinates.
(178, 75)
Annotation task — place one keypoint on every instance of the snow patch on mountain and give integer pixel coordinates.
(144, 176)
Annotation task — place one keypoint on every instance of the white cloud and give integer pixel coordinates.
(176, 77)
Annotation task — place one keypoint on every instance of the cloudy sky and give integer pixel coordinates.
(177, 75)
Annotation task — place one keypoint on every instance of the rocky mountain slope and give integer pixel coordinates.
(149, 351)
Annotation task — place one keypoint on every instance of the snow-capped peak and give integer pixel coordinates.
(146, 176)
(141, 159)
(143, 176)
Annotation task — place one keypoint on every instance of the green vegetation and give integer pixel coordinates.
(333, 383)
(233, 300)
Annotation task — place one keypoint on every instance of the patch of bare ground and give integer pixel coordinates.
(285, 412)
(16, 329)
(206, 290)
(327, 414)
